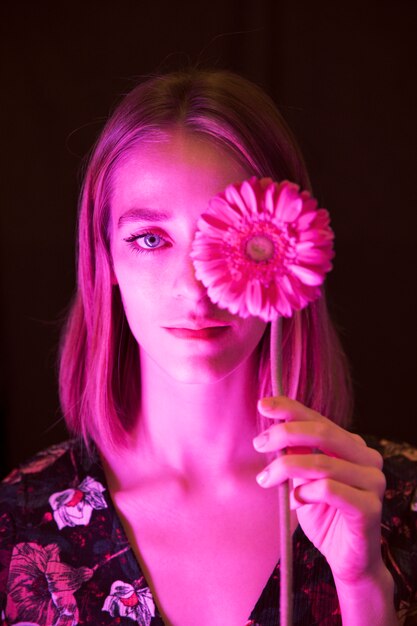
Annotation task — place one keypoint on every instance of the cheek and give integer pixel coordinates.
(252, 331)
(146, 301)
(139, 304)
(135, 268)
(141, 283)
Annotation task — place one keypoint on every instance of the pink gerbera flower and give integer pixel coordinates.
(263, 248)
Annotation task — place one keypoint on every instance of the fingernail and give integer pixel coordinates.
(268, 403)
(262, 478)
(260, 441)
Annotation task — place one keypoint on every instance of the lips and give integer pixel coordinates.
(208, 332)
(199, 324)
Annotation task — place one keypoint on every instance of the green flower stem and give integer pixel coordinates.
(283, 489)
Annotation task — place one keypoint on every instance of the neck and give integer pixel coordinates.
(197, 429)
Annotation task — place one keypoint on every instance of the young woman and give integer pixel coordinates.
(162, 509)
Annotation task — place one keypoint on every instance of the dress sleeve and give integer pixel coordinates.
(399, 526)
(7, 541)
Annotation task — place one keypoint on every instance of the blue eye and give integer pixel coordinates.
(147, 242)
(151, 240)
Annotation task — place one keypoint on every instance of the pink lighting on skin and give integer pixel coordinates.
(153, 267)
(165, 186)
(198, 397)
(189, 474)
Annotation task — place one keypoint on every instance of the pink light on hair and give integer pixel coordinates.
(99, 369)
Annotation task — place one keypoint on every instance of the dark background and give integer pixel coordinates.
(342, 74)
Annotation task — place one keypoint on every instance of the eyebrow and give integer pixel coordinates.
(143, 215)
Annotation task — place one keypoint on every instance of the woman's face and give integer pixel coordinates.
(159, 193)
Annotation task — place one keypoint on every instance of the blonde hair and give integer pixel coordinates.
(98, 359)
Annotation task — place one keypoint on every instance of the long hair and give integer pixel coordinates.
(98, 359)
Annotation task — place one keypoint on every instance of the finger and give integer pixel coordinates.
(289, 410)
(312, 467)
(286, 409)
(348, 500)
(323, 435)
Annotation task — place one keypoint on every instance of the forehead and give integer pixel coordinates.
(182, 165)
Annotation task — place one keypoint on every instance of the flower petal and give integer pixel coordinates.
(235, 199)
(289, 204)
(249, 196)
(254, 297)
(309, 277)
(305, 220)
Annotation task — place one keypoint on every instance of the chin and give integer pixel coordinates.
(202, 373)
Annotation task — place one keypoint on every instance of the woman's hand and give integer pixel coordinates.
(337, 493)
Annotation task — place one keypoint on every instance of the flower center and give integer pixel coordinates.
(39, 587)
(132, 600)
(76, 498)
(259, 248)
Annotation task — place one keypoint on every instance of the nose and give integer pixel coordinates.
(186, 284)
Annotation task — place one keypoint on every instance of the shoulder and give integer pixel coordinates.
(26, 490)
(393, 449)
(399, 513)
(40, 462)
(34, 483)
(400, 469)
(28, 493)
(51, 512)
(52, 467)
(399, 522)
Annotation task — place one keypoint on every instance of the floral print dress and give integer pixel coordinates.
(65, 558)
